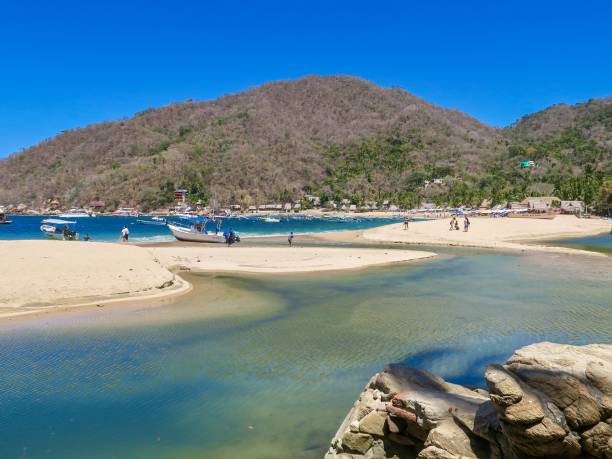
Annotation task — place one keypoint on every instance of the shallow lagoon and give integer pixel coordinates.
(274, 377)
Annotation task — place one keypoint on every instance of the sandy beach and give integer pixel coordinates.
(495, 233)
(278, 259)
(42, 276)
(39, 275)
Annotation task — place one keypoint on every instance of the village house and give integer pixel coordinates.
(572, 207)
(542, 203)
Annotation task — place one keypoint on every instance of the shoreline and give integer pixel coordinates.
(63, 276)
(523, 235)
(43, 277)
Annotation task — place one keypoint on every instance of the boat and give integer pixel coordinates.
(4, 220)
(544, 215)
(157, 221)
(197, 232)
(76, 213)
(60, 229)
(126, 212)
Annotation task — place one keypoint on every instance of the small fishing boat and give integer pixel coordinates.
(60, 229)
(533, 215)
(126, 212)
(197, 232)
(157, 221)
(4, 220)
(76, 213)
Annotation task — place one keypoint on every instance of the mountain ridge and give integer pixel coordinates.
(337, 136)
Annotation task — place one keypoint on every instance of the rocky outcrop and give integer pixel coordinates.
(549, 401)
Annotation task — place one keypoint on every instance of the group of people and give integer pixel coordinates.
(231, 237)
(454, 224)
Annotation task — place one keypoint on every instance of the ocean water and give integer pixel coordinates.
(107, 228)
(267, 366)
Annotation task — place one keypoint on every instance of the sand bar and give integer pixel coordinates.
(278, 259)
(47, 276)
(496, 233)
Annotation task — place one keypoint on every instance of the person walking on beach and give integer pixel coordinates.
(466, 224)
(406, 220)
(452, 223)
(290, 239)
(125, 234)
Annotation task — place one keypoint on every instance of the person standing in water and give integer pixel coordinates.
(125, 234)
(290, 239)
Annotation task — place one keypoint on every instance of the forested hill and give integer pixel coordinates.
(335, 136)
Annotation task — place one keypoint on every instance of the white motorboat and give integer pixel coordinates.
(194, 235)
(157, 221)
(57, 228)
(75, 213)
(126, 212)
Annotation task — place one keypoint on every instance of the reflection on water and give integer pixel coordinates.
(274, 378)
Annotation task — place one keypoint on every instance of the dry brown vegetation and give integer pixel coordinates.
(338, 136)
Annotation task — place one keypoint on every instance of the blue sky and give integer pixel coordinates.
(66, 64)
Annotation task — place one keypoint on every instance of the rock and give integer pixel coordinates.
(549, 400)
(570, 394)
(400, 439)
(395, 425)
(356, 442)
(597, 441)
(578, 379)
(374, 423)
(448, 436)
(504, 389)
(433, 452)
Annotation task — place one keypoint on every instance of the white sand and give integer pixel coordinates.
(278, 259)
(39, 274)
(46, 276)
(499, 233)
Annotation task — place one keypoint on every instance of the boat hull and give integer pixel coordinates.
(534, 216)
(186, 235)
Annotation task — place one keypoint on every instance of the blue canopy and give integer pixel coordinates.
(57, 221)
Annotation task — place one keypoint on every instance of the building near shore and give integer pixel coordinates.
(572, 207)
(541, 202)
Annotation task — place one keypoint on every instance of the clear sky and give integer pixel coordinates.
(66, 64)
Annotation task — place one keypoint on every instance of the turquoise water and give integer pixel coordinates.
(109, 228)
(267, 366)
(602, 243)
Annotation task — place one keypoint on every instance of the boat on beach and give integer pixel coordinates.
(195, 235)
(542, 215)
(59, 229)
(197, 232)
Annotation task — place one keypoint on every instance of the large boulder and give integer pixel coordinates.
(577, 379)
(549, 401)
